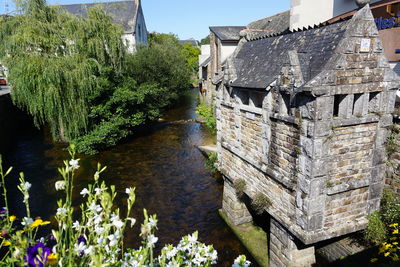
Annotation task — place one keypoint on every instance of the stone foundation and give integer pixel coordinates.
(233, 207)
(286, 250)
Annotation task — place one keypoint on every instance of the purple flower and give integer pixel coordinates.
(3, 210)
(37, 255)
(81, 239)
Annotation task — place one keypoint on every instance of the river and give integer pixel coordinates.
(161, 160)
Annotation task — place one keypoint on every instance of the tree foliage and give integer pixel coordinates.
(55, 60)
(74, 74)
(205, 40)
(191, 53)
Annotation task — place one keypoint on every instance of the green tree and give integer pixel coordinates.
(75, 75)
(205, 40)
(191, 53)
(55, 62)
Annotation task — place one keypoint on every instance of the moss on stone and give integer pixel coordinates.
(252, 237)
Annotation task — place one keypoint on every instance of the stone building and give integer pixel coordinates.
(302, 120)
(128, 14)
(223, 42)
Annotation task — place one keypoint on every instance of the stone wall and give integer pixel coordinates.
(286, 250)
(393, 165)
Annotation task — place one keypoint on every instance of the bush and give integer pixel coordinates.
(210, 162)
(378, 229)
(206, 113)
(97, 237)
(260, 202)
(240, 186)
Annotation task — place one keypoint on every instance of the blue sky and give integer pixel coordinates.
(191, 18)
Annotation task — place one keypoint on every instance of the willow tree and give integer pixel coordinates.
(58, 63)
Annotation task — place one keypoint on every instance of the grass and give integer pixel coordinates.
(252, 237)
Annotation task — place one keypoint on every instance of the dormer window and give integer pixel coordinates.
(285, 104)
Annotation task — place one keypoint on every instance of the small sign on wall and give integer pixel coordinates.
(250, 116)
(365, 45)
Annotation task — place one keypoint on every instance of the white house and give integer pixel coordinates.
(128, 14)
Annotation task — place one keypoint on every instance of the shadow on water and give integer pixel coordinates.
(161, 160)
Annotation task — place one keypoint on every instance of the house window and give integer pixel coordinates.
(374, 101)
(285, 104)
(338, 105)
(244, 97)
(358, 104)
(257, 99)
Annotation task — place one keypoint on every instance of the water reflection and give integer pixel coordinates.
(160, 160)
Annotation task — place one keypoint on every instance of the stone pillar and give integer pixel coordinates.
(233, 207)
(286, 250)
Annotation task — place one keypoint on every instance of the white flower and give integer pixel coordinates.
(213, 255)
(89, 250)
(192, 238)
(132, 220)
(128, 190)
(62, 212)
(27, 221)
(60, 185)
(85, 192)
(151, 239)
(75, 225)
(118, 223)
(113, 239)
(74, 164)
(241, 261)
(171, 253)
(27, 186)
(152, 223)
(97, 219)
(95, 208)
(99, 230)
(79, 248)
(98, 191)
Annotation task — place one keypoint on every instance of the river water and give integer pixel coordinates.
(161, 160)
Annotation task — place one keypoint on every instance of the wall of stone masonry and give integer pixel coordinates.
(233, 207)
(283, 199)
(393, 165)
(286, 250)
(285, 148)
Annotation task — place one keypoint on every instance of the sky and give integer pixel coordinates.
(191, 18)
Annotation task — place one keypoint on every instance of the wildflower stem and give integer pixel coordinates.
(3, 176)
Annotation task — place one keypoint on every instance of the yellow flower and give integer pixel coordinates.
(12, 218)
(396, 231)
(395, 243)
(52, 258)
(386, 254)
(387, 246)
(374, 259)
(39, 222)
(395, 258)
(6, 243)
(394, 225)
(393, 238)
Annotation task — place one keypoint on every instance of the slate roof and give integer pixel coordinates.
(259, 62)
(227, 33)
(123, 12)
(277, 23)
(191, 41)
(206, 62)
